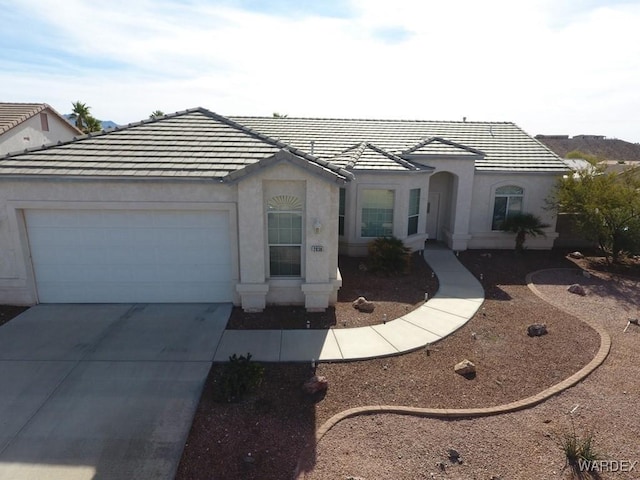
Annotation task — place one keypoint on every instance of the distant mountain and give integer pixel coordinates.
(105, 123)
(610, 149)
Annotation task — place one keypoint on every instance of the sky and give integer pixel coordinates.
(550, 66)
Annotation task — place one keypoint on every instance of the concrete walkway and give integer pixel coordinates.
(457, 300)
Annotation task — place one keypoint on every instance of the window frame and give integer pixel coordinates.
(291, 207)
(507, 196)
(413, 215)
(342, 207)
(381, 231)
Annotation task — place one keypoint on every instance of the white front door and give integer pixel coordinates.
(130, 256)
(433, 215)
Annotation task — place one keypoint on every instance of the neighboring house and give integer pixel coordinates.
(196, 207)
(29, 125)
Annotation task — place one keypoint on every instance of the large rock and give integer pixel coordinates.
(465, 367)
(363, 305)
(537, 330)
(315, 384)
(577, 289)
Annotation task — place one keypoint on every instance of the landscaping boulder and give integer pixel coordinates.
(465, 367)
(363, 305)
(576, 255)
(315, 384)
(454, 456)
(537, 330)
(577, 289)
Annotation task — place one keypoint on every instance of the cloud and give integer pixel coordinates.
(546, 66)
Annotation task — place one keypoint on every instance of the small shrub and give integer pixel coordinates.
(239, 377)
(388, 255)
(579, 452)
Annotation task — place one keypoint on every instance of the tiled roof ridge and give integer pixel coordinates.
(208, 113)
(275, 142)
(432, 139)
(392, 156)
(359, 148)
(38, 108)
(388, 120)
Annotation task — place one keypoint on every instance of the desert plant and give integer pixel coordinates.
(388, 255)
(523, 224)
(579, 452)
(239, 377)
(606, 207)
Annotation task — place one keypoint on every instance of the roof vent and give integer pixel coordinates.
(464, 119)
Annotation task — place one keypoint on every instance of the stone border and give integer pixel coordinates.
(443, 413)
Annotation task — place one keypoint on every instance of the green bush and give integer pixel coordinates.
(239, 377)
(388, 255)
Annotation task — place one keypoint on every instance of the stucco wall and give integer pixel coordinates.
(17, 285)
(537, 188)
(319, 197)
(352, 243)
(29, 134)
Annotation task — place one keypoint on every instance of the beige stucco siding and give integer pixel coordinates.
(319, 199)
(537, 187)
(353, 243)
(29, 134)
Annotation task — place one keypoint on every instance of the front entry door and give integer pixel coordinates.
(433, 214)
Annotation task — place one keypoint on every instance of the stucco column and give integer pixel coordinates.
(321, 256)
(252, 287)
(463, 195)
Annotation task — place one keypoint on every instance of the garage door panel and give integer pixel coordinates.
(130, 256)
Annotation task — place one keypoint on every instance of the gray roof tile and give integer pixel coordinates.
(504, 145)
(192, 143)
(202, 144)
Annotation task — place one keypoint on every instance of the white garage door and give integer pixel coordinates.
(115, 256)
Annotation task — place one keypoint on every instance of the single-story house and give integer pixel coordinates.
(28, 125)
(197, 207)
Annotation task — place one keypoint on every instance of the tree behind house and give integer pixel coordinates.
(606, 208)
(83, 119)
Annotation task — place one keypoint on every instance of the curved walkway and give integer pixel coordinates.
(457, 300)
(605, 347)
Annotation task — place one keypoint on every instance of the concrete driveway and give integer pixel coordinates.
(102, 391)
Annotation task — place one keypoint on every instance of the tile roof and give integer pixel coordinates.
(193, 143)
(13, 114)
(505, 147)
(199, 143)
(365, 156)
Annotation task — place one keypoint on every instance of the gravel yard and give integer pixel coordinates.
(522, 445)
(278, 421)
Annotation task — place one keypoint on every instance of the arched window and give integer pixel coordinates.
(284, 232)
(507, 201)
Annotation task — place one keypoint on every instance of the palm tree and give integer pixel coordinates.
(523, 224)
(93, 125)
(80, 114)
(156, 114)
